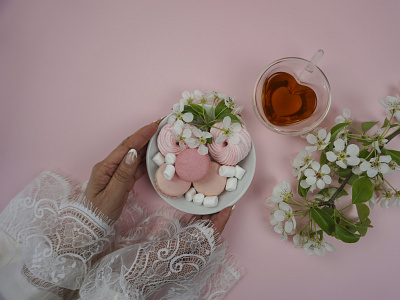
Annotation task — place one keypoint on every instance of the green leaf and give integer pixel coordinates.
(323, 160)
(323, 220)
(302, 191)
(367, 126)
(226, 113)
(362, 190)
(395, 155)
(345, 235)
(220, 107)
(363, 211)
(386, 123)
(328, 210)
(344, 172)
(363, 227)
(334, 132)
(198, 108)
(363, 153)
(188, 108)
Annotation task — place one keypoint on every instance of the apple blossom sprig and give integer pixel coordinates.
(343, 157)
(192, 110)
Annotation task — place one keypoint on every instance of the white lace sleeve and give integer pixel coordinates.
(162, 258)
(58, 231)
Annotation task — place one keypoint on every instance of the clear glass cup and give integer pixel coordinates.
(315, 79)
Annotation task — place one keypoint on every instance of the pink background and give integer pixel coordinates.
(77, 77)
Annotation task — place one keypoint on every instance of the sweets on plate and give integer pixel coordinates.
(213, 184)
(191, 166)
(228, 153)
(200, 148)
(173, 188)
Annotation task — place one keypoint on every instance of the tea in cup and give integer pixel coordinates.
(292, 95)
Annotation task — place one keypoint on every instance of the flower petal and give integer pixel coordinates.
(312, 139)
(236, 127)
(353, 160)
(327, 179)
(331, 156)
(226, 122)
(234, 139)
(279, 215)
(320, 184)
(352, 150)
(187, 117)
(221, 139)
(339, 145)
(315, 165)
(197, 94)
(197, 132)
(322, 134)
(288, 226)
(325, 169)
(385, 158)
(203, 150)
(309, 172)
(311, 180)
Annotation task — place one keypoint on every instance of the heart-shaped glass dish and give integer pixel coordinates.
(224, 200)
(315, 80)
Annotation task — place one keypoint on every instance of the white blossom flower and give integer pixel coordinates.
(377, 144)
(392, 105)
(299, 241)
(301, 162)
(388, 199)
(229, 132)
(179, 115)
(181, 135)
(189, 98)
(373, 200)
(326, 196)
(393, 166)
(344, 135)
(281, 192)
(285, 212)
(346, 117)
(319, 140)
(200, 141)
(316, 176)
(344, 158)
(317, 247)
(376, 165)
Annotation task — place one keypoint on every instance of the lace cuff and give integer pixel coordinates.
(58, 229)
(163, 259)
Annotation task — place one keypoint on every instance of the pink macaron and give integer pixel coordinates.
(192, 166)
(173, 188)
(213, 184)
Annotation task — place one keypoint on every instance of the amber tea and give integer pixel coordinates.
(285, 101)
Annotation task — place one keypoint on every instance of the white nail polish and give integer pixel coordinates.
(131, 157)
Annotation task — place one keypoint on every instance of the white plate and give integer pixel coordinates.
(225, 198)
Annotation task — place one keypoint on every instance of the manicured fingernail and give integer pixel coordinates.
(131, 157)
(159, 120)
(232, 209)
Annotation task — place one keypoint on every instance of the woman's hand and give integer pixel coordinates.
(218, 219)
(113, 178)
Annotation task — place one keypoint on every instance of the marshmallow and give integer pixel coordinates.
(210, 201)
(239, 172)
(198, 199)
(158, 159)
(227, 171)
(170, 159)
(190, 194)
(169, 172)
(231, 184)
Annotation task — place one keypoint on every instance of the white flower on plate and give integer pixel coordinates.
(319, 140)
(281, 192)
(346, 117)
(181, 135)
(285, 212)
(316, 176)
(392, 105)
(301, 162)
(178, 114)
(229, 132)
(200, 141)
(189, 98)
(376, 165)
(317, 247)
(344, 158)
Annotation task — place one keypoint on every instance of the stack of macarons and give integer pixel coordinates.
(182, 171)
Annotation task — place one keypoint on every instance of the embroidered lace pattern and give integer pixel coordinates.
(69, 245)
